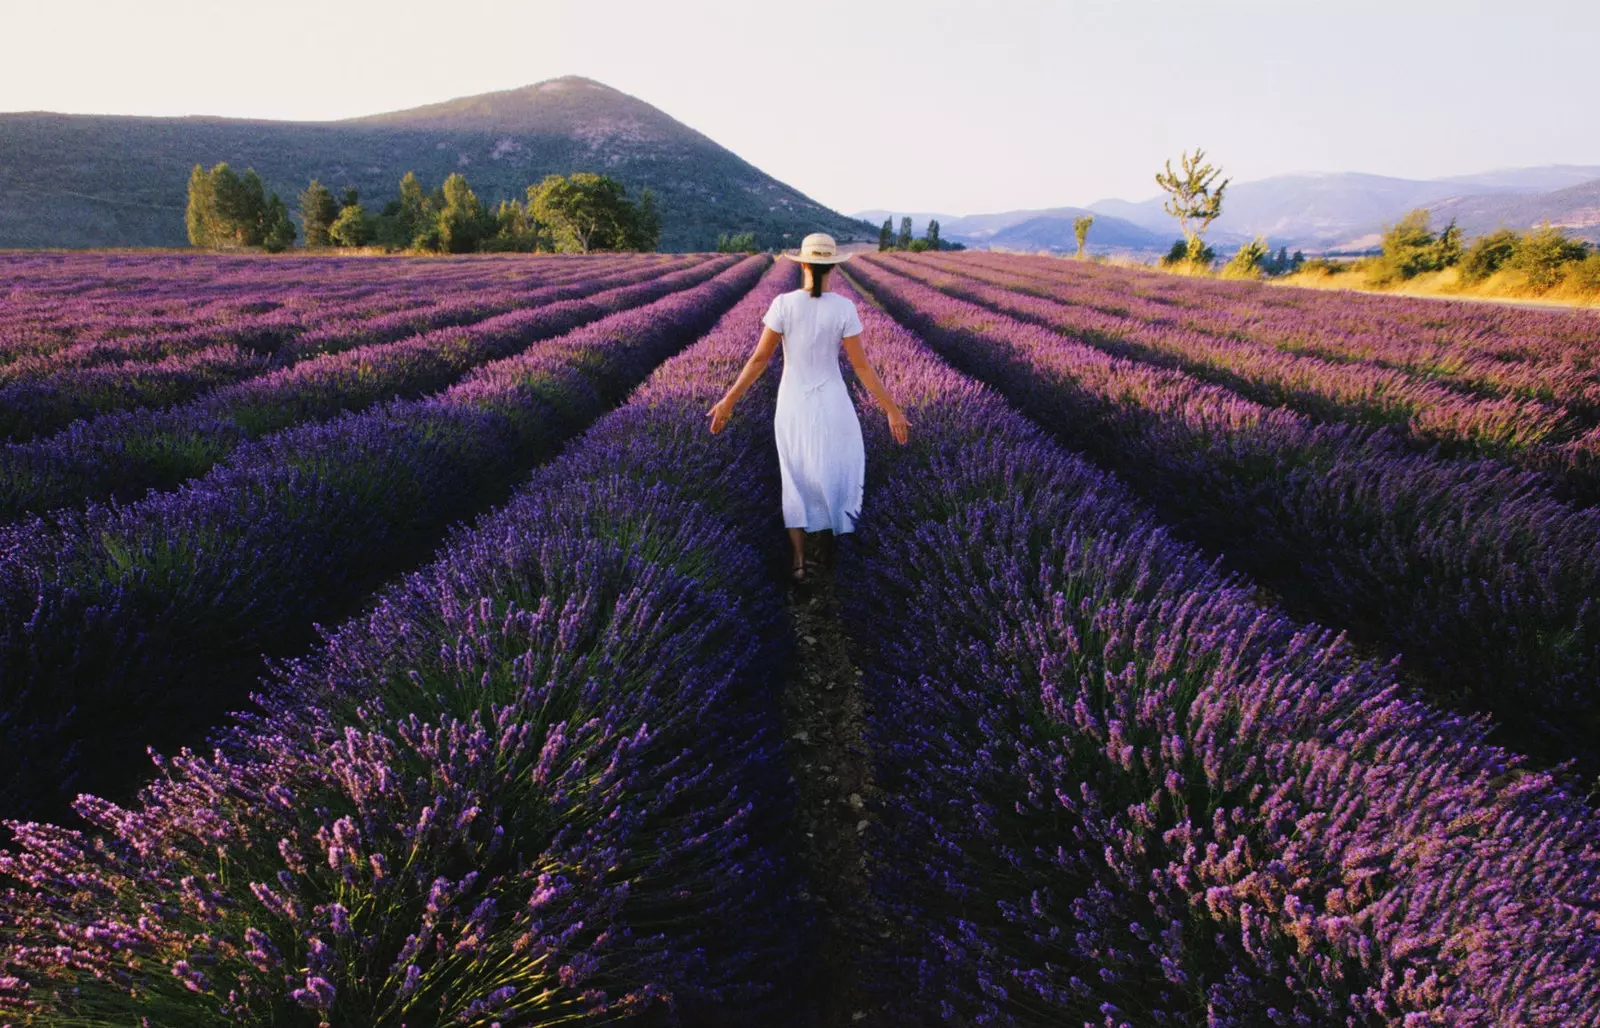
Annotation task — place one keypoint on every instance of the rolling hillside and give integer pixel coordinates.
(90, 180)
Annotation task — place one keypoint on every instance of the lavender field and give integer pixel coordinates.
(386, 642)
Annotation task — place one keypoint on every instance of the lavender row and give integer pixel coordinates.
(1483, 580)
(540, 782)
(1482, 348)
(1429, 412)
(1514, 332)
(277, 328)
(1527, 433)
(122, 626)
(36, 407)
(90, 302)
(123, 454)
(1116, 788)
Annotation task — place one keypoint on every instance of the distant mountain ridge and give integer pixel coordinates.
(1314, 211)
(1048, 229)
(92, 180)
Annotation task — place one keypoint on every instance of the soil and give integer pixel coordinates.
(829, 760)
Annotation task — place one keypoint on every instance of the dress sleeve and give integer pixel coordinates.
(852, 321)
(773, 319)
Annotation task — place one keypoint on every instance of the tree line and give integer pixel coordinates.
(1545, 256)
(578, 213)
(888, 239)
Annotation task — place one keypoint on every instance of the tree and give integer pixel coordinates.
(462, 222)
(277, 228)
(1411, 248)
(585, 212)
(646, 232)
(1249, 261)
(515, 230)
(903, 242)
(1542, 254)
(202, 210)
(351, 227)
(744, 242)
(226, 209)
(933, 234)
(1193, 197)
(317, 213)
(886, 235)
(1488, 254)
(1080, 228)
(413, 209)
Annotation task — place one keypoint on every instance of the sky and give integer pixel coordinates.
(936, 105)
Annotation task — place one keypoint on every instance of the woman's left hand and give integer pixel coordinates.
(719, 414)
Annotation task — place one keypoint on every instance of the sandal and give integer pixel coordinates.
(798, 572)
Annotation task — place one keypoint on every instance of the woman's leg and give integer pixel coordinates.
(797, 540)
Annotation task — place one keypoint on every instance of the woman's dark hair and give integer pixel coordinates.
(819, 277)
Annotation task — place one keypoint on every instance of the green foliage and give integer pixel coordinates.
(1584, 275)
(744, 242)
(201, 212)
(1283, 264)
(919, 246)
(228, 210)
(886, 235)
(1488, 254)
(1080, 229)
(351, 228)
(1410, 248)
(1542, 255)
(646, 233)
(318, 209)
(277, 227)
(932, 236)
(515, 229)
(1250, 261)
(903, 241)
(1192, 252)
(1322, 265)
(1193, 197)
(585, 212)
(463, 222)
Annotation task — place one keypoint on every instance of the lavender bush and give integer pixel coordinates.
(539, 783)
(125, 626)
(124, 453)
(1117, 788)
(1483, 580)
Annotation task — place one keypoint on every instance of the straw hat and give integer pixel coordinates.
(818, 248)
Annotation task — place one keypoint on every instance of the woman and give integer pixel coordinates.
(820, 454)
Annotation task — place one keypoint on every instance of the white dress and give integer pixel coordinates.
(820, 453)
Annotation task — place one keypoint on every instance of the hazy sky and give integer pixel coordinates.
(960, 107)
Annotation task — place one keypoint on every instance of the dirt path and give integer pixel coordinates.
(830, 764)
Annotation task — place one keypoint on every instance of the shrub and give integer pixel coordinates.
(1250, 261)
(1542, 254)
(1488, 254)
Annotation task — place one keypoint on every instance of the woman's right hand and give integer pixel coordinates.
(899, 427)
(719, 414)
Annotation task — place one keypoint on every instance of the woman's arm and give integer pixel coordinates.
(899, 427)
(722, 410)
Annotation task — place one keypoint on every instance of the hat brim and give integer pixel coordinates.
(838, 258)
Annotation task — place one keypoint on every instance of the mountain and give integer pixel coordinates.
(1527, 180)
(1029, 230)
(1310, 210)
(93, 180)
(1575, 208)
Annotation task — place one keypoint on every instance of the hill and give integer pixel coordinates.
(1575, 208)
(94, 180)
